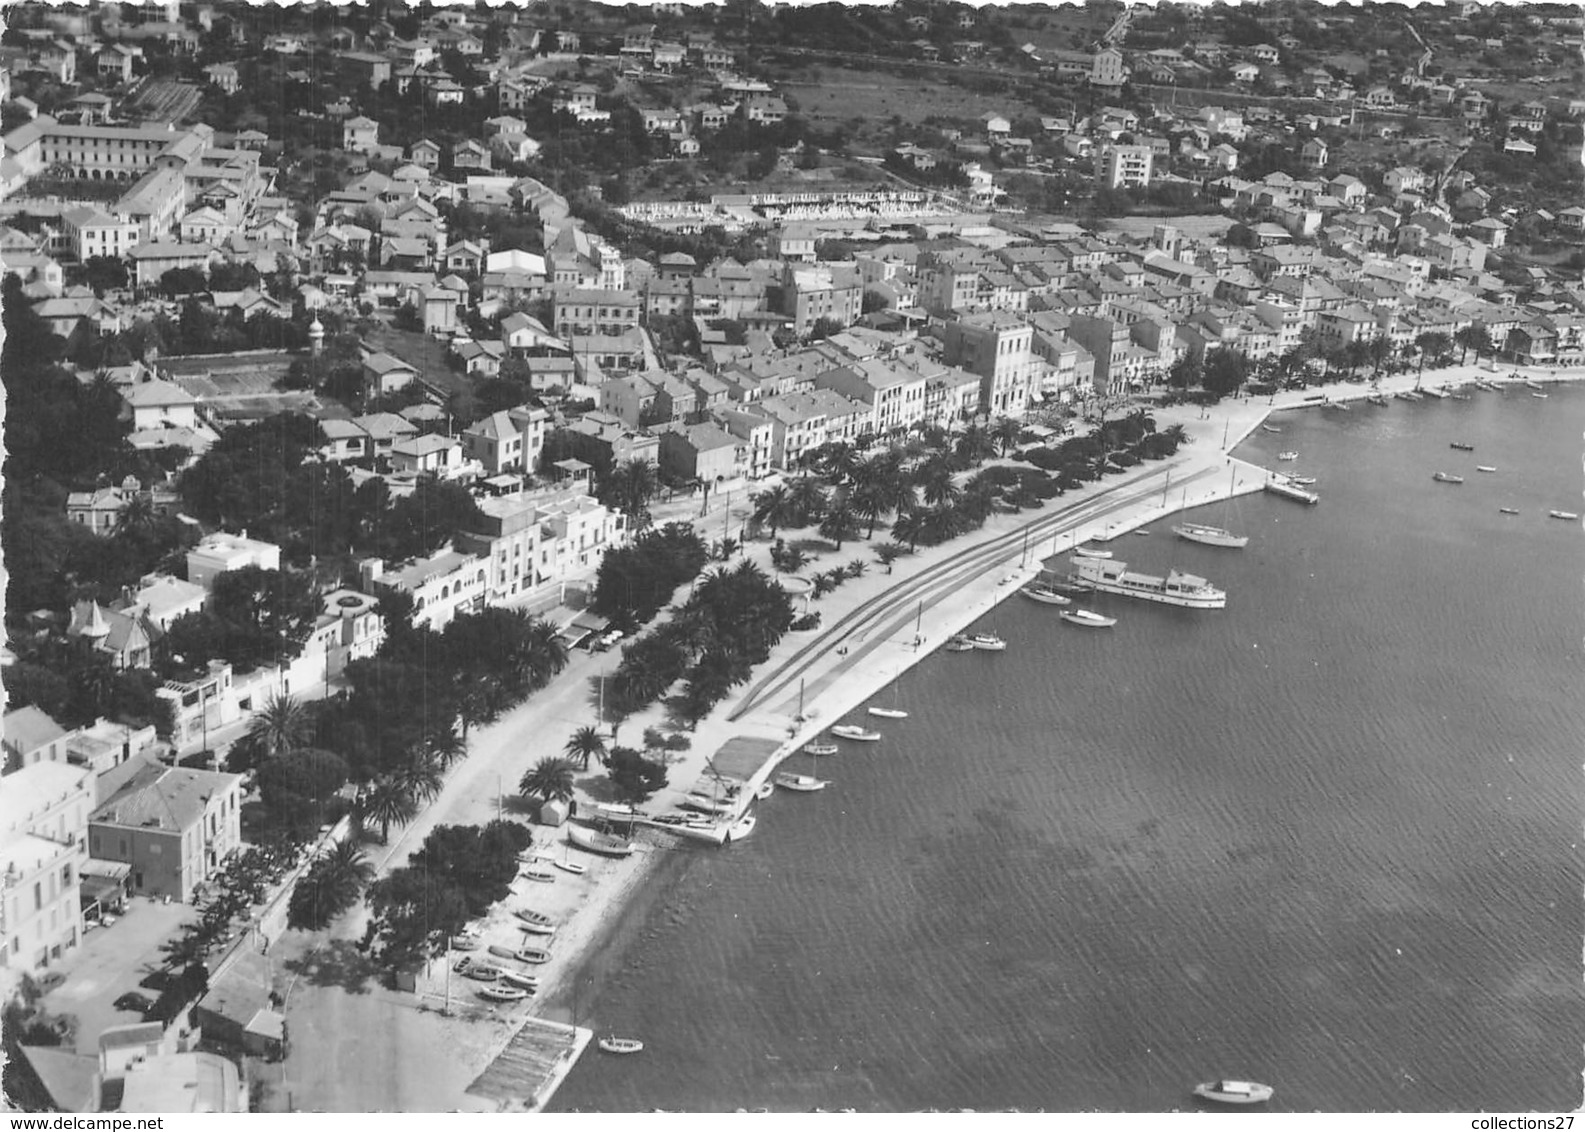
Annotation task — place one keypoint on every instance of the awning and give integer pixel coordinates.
(110, 870)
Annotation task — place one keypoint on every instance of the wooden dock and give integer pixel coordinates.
(526, 1073)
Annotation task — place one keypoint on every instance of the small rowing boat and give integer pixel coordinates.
(800, 783)
(1091, 552)
(1509, 510)
(1287, 455)
(1234, 1092)
(542, 876)
(503, 994)
(1445, 477)
(1562, 515)
(856, 733)
(1087, 619)
(612, 1044)
(1484, 468)
(1462, 446)
(820, 748)
(1270, 428)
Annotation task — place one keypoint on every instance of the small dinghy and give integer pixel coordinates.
(613, 1044)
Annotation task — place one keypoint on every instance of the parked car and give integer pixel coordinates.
(138, 1003)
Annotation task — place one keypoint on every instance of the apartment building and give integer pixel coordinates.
(996, 346)
(1124, 166)
(44, 845)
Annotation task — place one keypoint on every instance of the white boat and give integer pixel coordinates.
(889, 712)
(612, 1044)
(1291, 491)
(742, 828)
(535, 921)
(856, 733)
(503, 994)
(892, 710)
(1091, 552)
(820, 749)
(1234, 1092)
(1529, 384)
(1209, 535)
(542, 876)
(1439, 394)
(766, 789)
(1446, 477)
(1484, 468)
(1539, 396)
(704, 803)
(1088, 619)
(1045, 594)
(604, 843)
(1287, 455)
(527, 982)
(1377, 399)
(990, 642)
(1302, 481)
(577, 868)
(800, 783)
(535, 955)
(1562, 515)
(1509, 510)
(1270, 428)
(1177, 588)
(1408, 395)
(483, 972)
(958, 643)
(466, 941)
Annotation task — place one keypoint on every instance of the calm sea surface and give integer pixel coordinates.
(1327, 838)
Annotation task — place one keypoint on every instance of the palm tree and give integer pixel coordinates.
(774, 506)
(857, 568)
(279, 727)
(1004, 434)
(388, 803)
(909, 526)
(544, 653)
(974, 445)
(586, 742)
(630, 486)
(332, 884)
(445, 747)
(550, 779)
(808, 499)
(421, 779)
(936, 484)
(839, 523)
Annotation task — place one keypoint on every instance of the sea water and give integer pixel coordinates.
(1326, 838)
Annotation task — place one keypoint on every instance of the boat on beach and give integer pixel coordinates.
(1484, 468)
(1446, 477)
(534, 955)
(1177, 588)
(800, 783)
(821, 748)
(1562, 515)
(1228, 1091)
(1088, 619)
(705, 804)
(542, 876)
(856, 733)
(522, 980)
(606, 844)
(534, 921)
(576, 868)
(1462, 446)
(481, 972)
(1044, 594)
(989, 642)
(612, 1044)
(502, 994)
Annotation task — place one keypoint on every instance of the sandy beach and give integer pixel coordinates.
(874, 629)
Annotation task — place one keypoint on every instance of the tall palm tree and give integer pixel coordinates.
(630, 486)
(808, 500)
(332, 884)
(909, 527)
(421, 779)
(279, 727)
(839, 523)
(550, 778)
(774, 506)
(936, 484)
(586, 742)
(388, 803)
(545, 652)
(1004, 434)
(445, 747)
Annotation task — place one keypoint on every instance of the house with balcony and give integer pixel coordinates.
(443, 585)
